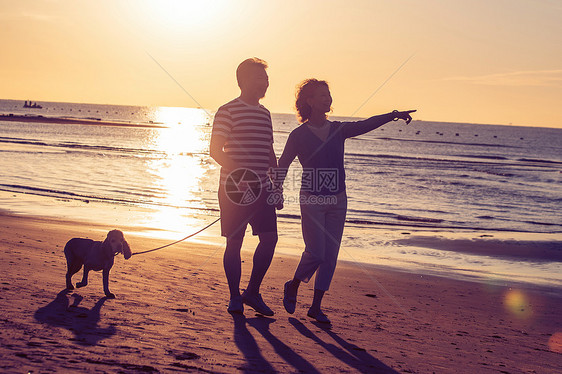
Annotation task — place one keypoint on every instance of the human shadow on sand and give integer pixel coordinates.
(251, 351)
(350, 354)
(83, 322)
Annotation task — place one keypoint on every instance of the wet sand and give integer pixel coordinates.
(545, 250)
(170, 315)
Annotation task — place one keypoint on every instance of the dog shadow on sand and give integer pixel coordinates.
(83, 322)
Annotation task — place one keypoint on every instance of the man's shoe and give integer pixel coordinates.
(235, 305)
(255, 301)
(319, 316)
(289, 301)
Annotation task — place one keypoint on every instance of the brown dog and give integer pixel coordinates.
(94, 255)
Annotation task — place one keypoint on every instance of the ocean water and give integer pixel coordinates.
(461, 179)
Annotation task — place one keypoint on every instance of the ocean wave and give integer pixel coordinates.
(542, 223)
(45, 152)
(486, 160)
(418, 219)
(394, 157)
(539, 161)
(438, 142)
(486, 157)
(87, 198)
(96, 148)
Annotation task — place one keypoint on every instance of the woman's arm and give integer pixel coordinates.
(289, 153)
(361, 127)
(280, 170)
(287, 157)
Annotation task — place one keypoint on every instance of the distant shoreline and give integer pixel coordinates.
(73, 121)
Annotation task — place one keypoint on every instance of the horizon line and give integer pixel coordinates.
(287, 113)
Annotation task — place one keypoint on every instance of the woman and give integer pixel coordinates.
(319, 145)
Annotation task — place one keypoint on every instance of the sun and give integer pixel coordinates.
(185, 14)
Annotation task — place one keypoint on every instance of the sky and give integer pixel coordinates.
(478, 61)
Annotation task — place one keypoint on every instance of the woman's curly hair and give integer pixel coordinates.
(305, 90)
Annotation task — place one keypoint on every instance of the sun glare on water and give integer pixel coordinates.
(178, 174)
(184, 130)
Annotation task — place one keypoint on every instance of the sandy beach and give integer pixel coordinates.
(170, 315)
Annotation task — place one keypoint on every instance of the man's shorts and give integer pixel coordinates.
(236, 217)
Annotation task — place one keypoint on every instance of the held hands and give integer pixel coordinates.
(405, 115)
(279, 199)
(276, 198)
(277, 177)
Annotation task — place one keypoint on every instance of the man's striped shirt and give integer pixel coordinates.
(249, 136)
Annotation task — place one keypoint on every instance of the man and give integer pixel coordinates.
(242, 143)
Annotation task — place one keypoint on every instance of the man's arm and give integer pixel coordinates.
(217, 153)
(272, 158)
(277, 185)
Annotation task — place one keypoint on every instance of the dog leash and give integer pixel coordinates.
(178, 241)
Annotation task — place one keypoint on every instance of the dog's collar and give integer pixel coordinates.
(110, 250)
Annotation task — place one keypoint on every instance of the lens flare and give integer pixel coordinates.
(517, 304)
(555, 342)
